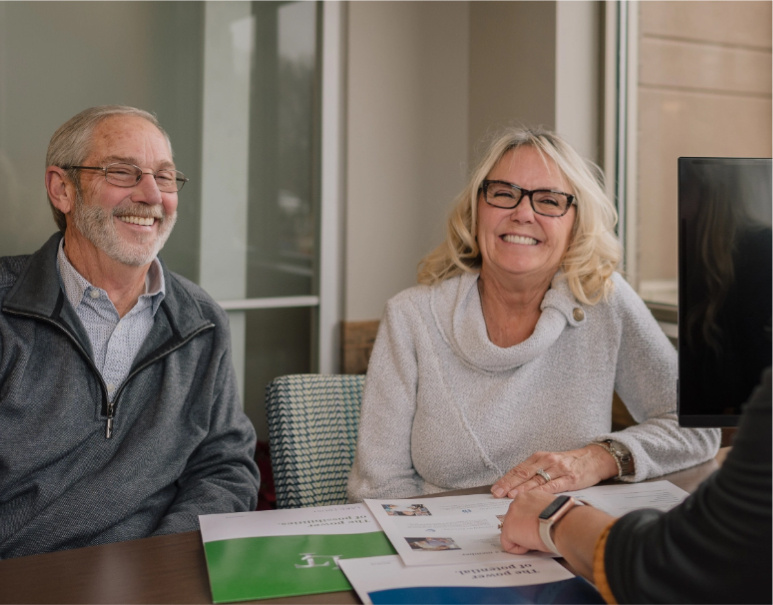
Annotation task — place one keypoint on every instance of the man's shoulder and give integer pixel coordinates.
(10, 269)
(195, 290)
(186, 292)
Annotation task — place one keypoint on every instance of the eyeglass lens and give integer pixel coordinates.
(128, 175)
(548, 203)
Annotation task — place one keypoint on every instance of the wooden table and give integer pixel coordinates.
(167, 569)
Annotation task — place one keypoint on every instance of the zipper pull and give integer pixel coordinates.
(109, 423)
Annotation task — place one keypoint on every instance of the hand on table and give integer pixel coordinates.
(560, 472)
(520, 529)
(576, 533)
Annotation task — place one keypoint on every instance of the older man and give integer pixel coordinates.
(119, 413)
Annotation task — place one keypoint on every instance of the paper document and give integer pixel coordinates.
(443, 530)
(460, 529)
(623, 498)
(277, 553)
(521, 580)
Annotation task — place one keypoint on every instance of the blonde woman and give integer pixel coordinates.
(499, 368)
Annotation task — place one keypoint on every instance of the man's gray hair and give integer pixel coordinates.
(70, 145)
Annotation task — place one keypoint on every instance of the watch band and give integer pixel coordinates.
(621, 454)
(550, 515)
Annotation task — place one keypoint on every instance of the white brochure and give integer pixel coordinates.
(622, 498)
(464, 529)
(443, 530)
(519, 580)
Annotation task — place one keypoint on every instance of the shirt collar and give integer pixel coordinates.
(75, 285)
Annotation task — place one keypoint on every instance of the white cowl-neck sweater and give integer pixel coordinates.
(445, 408)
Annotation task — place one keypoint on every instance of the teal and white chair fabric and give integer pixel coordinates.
(312, 427)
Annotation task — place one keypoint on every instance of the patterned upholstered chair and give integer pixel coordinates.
(312, 427)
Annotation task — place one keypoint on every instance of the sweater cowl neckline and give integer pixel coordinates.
(458, 315)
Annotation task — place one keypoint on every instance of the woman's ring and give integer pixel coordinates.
(544, 475)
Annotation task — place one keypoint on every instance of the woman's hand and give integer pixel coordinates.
(575, 534)
(566, 471)
(520, 530)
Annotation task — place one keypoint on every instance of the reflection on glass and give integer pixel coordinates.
(168, 79)
(164, 76)
(724, 282)
(283, 148)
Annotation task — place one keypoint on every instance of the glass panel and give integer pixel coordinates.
(57, 58)
(73, 48)
(704, 89)
(283, 151)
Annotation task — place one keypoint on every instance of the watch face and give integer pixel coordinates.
(551, 508)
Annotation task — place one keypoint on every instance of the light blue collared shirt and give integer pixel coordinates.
(115, 341)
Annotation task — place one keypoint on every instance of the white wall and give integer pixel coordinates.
(512, 67)
(578, 70)
(427, 81)
(537, 64)
(407, 107)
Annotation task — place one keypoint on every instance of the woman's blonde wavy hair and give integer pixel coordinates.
(594, 250)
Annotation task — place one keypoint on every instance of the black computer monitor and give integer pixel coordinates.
(725, 286)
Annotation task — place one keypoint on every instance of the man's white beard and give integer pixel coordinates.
(97, 225)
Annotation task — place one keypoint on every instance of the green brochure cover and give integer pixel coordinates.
(280, 553)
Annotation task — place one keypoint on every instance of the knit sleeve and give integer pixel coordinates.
(382, 464)
(645, 380)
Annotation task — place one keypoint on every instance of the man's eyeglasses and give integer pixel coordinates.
(128, 175)
(502, 194)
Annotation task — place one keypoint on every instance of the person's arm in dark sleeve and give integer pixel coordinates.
(716, 546)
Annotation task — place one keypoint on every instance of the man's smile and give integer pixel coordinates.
(137, 220)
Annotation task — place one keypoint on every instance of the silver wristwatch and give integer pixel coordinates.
(621, 454)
